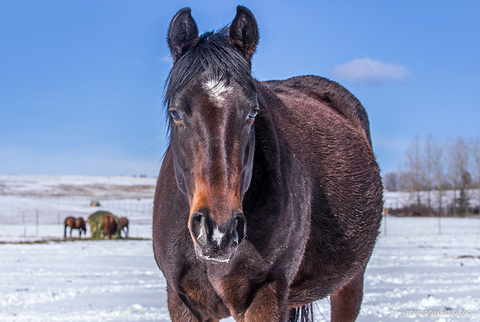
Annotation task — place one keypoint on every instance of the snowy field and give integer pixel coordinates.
(415, 273)
(28, 200)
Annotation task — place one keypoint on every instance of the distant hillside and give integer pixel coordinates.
(52, 198)
(77, 186)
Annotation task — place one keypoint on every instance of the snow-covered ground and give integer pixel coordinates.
(415, 273)
(81, 281)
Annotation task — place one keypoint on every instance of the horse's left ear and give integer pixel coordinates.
(243, 33)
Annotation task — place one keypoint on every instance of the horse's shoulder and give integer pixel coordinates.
(325, 91)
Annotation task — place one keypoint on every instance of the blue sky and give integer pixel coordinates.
(81, 82)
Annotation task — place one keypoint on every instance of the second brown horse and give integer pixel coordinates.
(110, 226)
(124, 226)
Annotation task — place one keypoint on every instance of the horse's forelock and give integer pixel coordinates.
(213, 58)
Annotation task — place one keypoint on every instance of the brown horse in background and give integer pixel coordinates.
(269, 196)
(124, 225)
(75, 223)
(109, 226)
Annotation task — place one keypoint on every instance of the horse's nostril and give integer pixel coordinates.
(198, 227)
(238, 233)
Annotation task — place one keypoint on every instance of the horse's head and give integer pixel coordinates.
(212, 105)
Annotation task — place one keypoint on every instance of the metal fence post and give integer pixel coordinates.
(36, 222)
(24, 225)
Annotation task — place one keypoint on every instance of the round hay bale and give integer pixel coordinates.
(95, 221)
(94, 203)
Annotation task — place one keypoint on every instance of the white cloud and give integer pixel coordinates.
(166, 59)
(370, 71)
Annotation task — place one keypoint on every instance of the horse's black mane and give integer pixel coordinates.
(214, 57)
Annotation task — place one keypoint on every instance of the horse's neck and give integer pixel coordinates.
(269, 156)
(267, 135)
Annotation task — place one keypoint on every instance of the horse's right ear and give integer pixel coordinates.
(182, 34)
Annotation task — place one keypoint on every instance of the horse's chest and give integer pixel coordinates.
(234, 290)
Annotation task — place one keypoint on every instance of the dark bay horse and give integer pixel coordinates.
(269, 196)
(75, 223)
(124, 225)
(109, 226)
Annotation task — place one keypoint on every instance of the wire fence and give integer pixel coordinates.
(34, 216)
(31, 214)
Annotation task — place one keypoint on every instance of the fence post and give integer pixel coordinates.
(36, 220)
(385, 221)
(440, 223)
(24, 225)
(385, 213)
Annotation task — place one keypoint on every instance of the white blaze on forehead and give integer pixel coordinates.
(217, 90)
(217, 236)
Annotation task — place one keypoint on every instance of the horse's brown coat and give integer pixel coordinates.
(302, 173)
(124, 225)
(109, 226)
(75, 223)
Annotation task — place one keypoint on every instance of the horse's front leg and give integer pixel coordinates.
(346, 301)
(179, 311)
(177, 308)
(270, 303)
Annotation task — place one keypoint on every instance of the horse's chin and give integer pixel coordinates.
(213, 259)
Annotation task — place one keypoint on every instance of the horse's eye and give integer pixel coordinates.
(176, 116)
(253, 113)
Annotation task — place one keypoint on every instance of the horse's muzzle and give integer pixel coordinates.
(214, 243)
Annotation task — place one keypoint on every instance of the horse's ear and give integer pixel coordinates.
(182, 33)
(243, 33)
